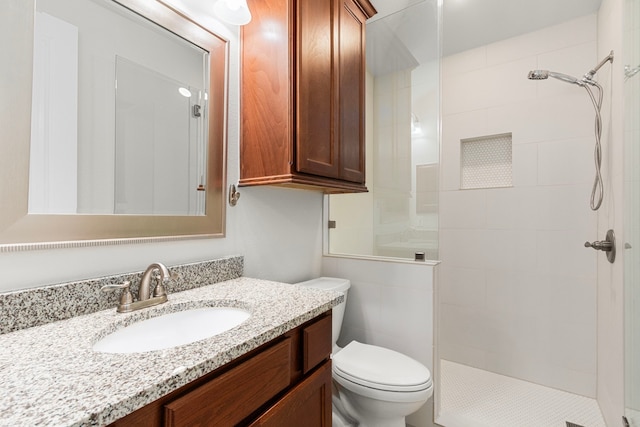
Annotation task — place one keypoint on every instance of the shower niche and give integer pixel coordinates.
(486, 162)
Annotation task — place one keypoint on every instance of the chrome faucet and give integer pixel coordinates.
(145, 298)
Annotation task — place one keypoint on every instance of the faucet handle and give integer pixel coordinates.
(160, 289)
(126, 297)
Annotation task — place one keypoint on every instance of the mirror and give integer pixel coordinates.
(129, 142)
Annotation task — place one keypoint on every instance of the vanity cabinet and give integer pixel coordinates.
(308, 404)
(284, 382)
(303, 94)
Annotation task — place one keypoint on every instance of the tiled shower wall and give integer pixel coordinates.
(517, 293)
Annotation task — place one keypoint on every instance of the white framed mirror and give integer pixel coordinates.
(128, 138)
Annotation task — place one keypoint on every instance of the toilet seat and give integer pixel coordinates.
(381, 369)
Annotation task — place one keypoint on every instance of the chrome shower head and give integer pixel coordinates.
(545, 74)
(538, 75)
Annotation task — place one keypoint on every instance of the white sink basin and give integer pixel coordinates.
(172, 330)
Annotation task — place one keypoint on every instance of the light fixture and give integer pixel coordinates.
(184, 92)
(235, 12)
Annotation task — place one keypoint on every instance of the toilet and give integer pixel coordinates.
(373, 386)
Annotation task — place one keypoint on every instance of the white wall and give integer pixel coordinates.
(277, 230)
(610, 216)
(389, 304)
(425, 146)
(517, 288)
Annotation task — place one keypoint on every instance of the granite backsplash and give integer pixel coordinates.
(38, 306)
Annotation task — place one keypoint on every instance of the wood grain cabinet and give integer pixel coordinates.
(286, 382)
(303, 94)
(308, 404)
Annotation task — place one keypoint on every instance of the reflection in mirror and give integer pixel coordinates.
(159, 145)
(91, 182)
(152, 160)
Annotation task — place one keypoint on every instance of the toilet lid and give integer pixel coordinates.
(380, 368)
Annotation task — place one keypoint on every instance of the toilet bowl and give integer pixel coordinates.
(373, 386)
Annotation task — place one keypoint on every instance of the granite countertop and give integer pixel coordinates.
(49, 374)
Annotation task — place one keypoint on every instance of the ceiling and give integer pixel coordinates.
(410, 26)
(472, 23)
(404, 32)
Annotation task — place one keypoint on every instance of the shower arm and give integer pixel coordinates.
(591, 73)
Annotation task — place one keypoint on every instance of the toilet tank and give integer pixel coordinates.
(332, 284)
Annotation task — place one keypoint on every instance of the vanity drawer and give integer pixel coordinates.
(234, 395)
(307, 404)
(316, 343)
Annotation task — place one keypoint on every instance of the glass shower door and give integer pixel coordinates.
(398, 217)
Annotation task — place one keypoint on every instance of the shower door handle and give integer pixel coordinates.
(608, 245)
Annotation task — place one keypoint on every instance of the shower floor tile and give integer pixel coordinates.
(471, 397)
